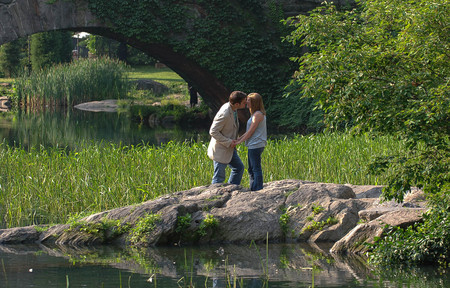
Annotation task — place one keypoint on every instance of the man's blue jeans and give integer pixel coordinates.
(237, 170)
(254, 168)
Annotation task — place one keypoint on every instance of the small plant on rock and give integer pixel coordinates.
(315, 226)
(105, 229)
(143, 228)
(316, 208)
(286, 217)
(183, 223)
(284, 222)
(208, 224)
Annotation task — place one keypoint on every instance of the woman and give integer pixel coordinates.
(255, 139)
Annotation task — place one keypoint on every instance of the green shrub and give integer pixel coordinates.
(316, 226)
(284, 222)
(427, 242)
(181, 115)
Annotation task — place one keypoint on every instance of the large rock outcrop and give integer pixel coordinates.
(284, 211)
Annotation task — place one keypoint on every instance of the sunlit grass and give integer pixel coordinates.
(48, 185)
(157, 74)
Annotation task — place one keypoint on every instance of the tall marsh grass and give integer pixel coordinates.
(48, 185)
(73, 83)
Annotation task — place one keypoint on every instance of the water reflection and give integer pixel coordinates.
(70, 128)
(288, 265)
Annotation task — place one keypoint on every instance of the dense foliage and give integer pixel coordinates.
(178, 114)
(10, 58)
(100, 46)
(384, 66)
(48, 48)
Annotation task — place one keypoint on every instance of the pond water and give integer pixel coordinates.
(69, 128)
(288, 265)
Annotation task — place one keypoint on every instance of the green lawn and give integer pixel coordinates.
(157, 74)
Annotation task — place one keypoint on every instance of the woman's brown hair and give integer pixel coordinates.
(256, 103)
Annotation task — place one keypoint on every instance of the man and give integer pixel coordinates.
(224, 132)
(193, 95)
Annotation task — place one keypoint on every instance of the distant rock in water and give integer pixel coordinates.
(99, 106)
(284, 211)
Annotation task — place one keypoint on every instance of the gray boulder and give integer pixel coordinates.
(354, 242)
(378, 218)
(19, 235)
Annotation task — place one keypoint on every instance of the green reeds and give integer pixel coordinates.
(334, 158)
(73, 83)
(48, 185)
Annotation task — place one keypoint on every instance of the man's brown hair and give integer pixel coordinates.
(237, 97)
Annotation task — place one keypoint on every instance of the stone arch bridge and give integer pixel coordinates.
(20, 18)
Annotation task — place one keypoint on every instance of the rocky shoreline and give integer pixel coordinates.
(286, 211)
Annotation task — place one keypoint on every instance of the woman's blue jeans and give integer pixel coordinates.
(237, 170)
(254, 168)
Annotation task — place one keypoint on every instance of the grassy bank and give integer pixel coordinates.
(50, 185)
(73, 83)
(163, 75)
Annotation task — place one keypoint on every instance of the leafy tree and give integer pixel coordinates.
(384, 67)
(48, 48)
(101, 46)
(137, 57)
(10, 57)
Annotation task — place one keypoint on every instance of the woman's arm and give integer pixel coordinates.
(256, 119)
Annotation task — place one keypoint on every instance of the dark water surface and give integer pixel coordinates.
(69, 128)
(289, 265)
